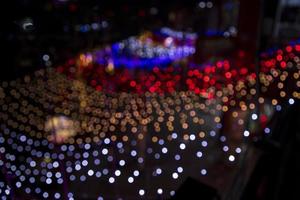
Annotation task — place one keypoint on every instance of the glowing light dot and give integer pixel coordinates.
(204, 143)
(141, 192)
(267, 130)
(23, 138)
(201, 4)
(278, 107)
(175, 175)
(84, 162)
(133, 153)
(136, 173)
(7, 191)
(203, 171)
(199, 154)
(104, 151)
(182, 146)
(46, 57)
(254, 116)
(159, 191)
(246, 133)
(225, 148)
(111, 180)
(122, 162)
(55, 164)
(45, 195)
(238, 150)
(90, 172)
(291, 101)
(174, 135)
(77, 167)
(130, 180)
(48, 181)
(223, 138)
(158, 171)
(18, 184)
(117, 172)
(32, 163)
(209, 4)
(57, 195)
(212, 133)
(180, 169)
(106, 140)
(231, 158)
(192, 137)
(164, 150)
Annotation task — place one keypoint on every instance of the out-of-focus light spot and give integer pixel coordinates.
(204, 143)
(267, 130)
(209, 4)
(159, 191)
(111, 180)
(212, 133)
(246, 133)
(223, 138)
(278, 107)
(231, 158)
(225, 148)
(141, 192)
(106, 140)
(174, 135)
(158, 171)
(238, 150)
(90, 172)
(104, 151)
(175, 175)
(192, 137)
(254, 116)
(130, 180)
(201, 4)
(122, 162)
(133, 153)
(180, 169)
(199, 154)
(291, 101)
(136, 173)
(46, 57)
(182, 146)
(48, 181)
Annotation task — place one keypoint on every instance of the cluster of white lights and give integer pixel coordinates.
(148, 49)
(81, 163)
(95, 26)
(178, 34)
(207, 4)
